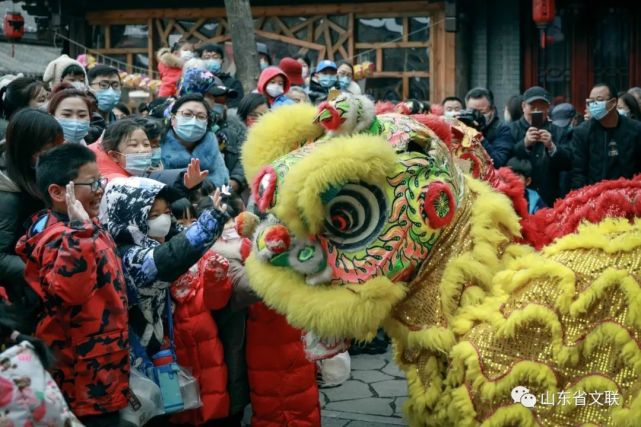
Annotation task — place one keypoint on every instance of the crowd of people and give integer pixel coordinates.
(118, 245)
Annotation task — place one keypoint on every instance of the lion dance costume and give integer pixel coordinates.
(401, 221)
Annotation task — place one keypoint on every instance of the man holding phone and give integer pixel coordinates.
(541, 142)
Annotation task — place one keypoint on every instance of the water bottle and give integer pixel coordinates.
(166, 372)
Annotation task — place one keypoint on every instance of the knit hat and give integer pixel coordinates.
(294, 71)
(195, 80)
(55, 69)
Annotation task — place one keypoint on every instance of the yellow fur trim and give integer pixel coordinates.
(276, 134)
(611, 235)
(513, 415)
(587, 385)
(628, 417)
(329, 311)
(611, 278)
(465, 365)
(433, 338)
(493, 223)
(357, 158)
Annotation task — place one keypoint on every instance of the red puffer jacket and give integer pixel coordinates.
(282, 381)
(74, 268)
(170, 69)
(203, 288)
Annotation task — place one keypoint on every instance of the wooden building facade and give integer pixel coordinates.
(405, 40)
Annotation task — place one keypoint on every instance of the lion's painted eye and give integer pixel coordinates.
(355, 215)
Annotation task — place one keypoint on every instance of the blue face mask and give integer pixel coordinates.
(156, 157)
(107, 99)
(263, 64)
(213, 65)
(190, 130)
(326, 80)
(74, 130)
(137, 164)
(598, 109)
(344, 81)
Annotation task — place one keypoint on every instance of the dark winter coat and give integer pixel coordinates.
(498, 142)
(74, 268)
(318, 93)
(546, 168)
(231, 137)
(231, 82)
(599, 153)
(16, 207)
(148, 265)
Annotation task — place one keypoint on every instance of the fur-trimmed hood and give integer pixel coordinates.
(167, 58)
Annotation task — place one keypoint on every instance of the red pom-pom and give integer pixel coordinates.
(245, 248)
(439, 205)
(277, 239)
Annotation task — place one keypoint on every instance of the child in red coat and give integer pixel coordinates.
(72, 264)
(203, 288)
(170, 66)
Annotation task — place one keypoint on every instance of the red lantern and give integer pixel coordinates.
(543, 11)
(13, 26)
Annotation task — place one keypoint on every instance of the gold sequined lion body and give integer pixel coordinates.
(360, 231)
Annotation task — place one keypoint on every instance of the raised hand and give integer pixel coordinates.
(217, 198)
(194, 175)
(75, 210)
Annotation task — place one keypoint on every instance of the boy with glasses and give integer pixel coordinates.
(608, 145)
(72, 265)
(104, 82)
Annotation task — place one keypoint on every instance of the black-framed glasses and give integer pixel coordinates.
(104, 84)
(95, 185)
(190, 115)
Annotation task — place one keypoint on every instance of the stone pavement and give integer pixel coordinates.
(372, 397)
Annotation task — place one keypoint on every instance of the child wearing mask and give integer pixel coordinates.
(137, 213)
(273, 84)
(72, 264)
(170, 64)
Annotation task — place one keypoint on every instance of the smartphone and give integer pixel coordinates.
(538, 119)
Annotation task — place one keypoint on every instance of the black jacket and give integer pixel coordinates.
(546, 169)
(599, 153)
(231, 137)
(318, 93)
(498, 142)
(16, 207)
(231, 82)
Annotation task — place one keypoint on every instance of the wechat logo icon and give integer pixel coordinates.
(523, 396)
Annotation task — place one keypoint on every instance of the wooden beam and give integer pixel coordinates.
(296, 28)
(406, 87)
(122, 50)
(130, 63)
(406, 29)
(289, 40)
(389, 45)
(283, 28)
(150, 47)
(328, 40)
(379, 59)
(401, 74)
(116, 16)
(107, 36)
(351, 36)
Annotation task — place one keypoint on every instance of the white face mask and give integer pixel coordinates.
(159, 226)
(450, 114)
(186, 55)
(506, 117)
(79, 85)
(623, 112)
(274, 90)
